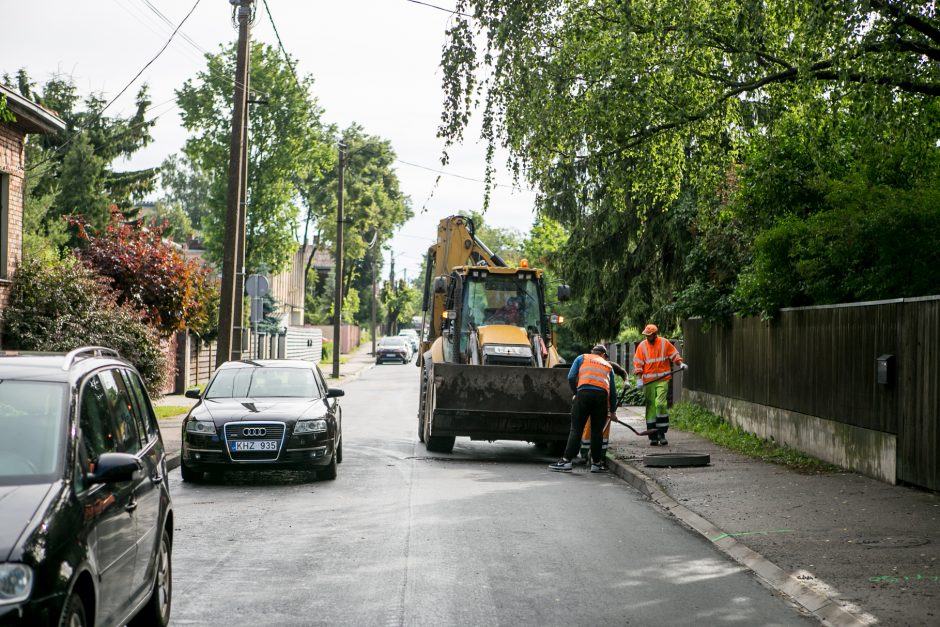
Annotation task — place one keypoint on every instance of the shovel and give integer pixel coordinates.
(640, 433)
(624, 393)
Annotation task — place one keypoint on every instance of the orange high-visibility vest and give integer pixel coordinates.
(652, 362)
(595, 371)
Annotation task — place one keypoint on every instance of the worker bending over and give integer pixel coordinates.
(591, 378)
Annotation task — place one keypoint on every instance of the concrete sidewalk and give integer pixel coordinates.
(849, 549)
(171, 428)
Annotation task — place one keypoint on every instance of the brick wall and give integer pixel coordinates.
(12, 157)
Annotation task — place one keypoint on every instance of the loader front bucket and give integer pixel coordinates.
(500, 402)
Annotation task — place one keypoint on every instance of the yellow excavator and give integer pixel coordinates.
(488, 358)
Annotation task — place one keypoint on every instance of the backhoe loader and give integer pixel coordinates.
(487, 357)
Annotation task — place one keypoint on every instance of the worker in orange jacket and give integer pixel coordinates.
(586, 433)
(654, 358)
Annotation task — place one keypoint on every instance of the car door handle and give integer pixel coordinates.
(130, 507)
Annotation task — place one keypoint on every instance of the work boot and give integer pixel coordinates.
(562, 465)
(654, 442)
(663, 441)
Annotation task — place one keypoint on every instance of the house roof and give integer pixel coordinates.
(31, 117)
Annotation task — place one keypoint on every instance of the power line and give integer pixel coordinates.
(120, 93)
(280, 44)
(459, 176)
(434, 6)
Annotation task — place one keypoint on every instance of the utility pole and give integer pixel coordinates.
(238, 335)
(338, 297)
(233, 224)
(374, 294)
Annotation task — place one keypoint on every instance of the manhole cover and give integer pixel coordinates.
(677, 459)
(891, 543)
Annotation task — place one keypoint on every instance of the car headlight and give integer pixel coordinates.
(16, 583)
(200, 427)
(310, 426)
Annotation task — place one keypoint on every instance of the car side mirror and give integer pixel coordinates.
(114, 468)
(193, 393)
(564, 293)
(335, 393)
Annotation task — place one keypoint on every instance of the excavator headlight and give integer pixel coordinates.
(556, 319)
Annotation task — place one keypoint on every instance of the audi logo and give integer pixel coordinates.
(254, 432)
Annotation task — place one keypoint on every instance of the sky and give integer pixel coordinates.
(374, 62)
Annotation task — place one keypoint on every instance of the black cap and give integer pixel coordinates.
(600, 349)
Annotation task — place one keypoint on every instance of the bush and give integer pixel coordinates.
(60, 304)
(327, 351)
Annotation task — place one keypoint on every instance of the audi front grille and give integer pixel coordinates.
(248, 431)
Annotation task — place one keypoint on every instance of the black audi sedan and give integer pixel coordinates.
(86, 522)
(263, 414)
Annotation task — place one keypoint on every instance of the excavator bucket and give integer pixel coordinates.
(501, 402)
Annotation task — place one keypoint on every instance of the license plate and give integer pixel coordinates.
(254, 445)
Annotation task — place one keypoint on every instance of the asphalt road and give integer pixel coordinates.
(484, 536)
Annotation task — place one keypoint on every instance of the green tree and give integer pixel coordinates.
(287, 145)
(185, 187)
(74, 168)
(373, 208)
(649, 127)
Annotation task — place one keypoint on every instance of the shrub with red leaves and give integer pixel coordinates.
(150, 274)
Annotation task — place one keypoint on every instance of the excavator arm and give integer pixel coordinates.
(457, 245)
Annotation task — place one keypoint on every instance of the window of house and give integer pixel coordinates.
(4, 225)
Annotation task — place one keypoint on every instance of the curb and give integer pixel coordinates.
(823, 607)
(172, 461)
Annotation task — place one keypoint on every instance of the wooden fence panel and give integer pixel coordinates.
(821, 361)
(919, 392)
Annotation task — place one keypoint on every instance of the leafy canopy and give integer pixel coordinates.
(288, 144)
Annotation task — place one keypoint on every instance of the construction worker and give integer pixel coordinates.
(651, 364)
(586, 433)
(591, 378)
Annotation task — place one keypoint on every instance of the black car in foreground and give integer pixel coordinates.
(263, 414)
(86, 524)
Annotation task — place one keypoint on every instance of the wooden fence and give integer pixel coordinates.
(822, 363)
(195, 360)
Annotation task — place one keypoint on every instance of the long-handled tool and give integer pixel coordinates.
(640, 433)
(623, 395)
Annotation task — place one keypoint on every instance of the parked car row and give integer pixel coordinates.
(86, 518)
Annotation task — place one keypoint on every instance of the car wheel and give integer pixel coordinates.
(329, 472)
(339, 452)
(157, 611)
(73, 614)
(556, 448)
(189, 475)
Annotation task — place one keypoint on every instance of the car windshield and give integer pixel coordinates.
(392, 342)
(32, 421)
(263, 382)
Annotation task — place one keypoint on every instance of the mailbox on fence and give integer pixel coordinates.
(885, 370)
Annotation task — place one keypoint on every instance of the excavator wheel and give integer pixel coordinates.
(422, 400)
(434, 444)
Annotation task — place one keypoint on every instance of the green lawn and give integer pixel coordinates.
(165, 411)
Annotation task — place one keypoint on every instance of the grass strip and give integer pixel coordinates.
(166, 411)
(696, 419)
